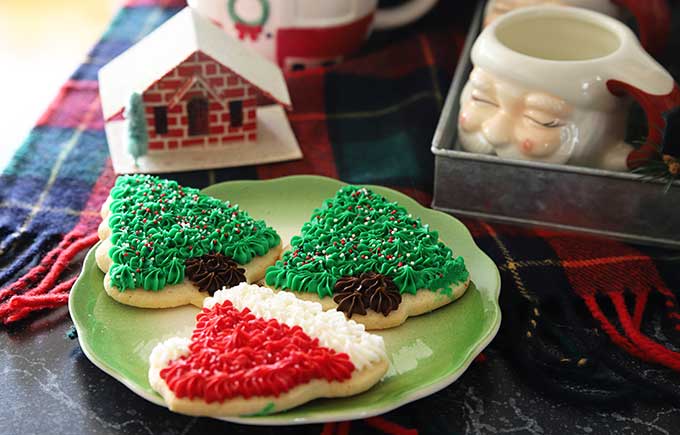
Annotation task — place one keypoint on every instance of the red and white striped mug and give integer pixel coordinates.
(300, 34)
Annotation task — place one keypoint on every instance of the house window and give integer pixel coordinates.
(160, 117)
(199, 121)
(236, 113)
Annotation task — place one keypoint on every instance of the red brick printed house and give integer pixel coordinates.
(199, 86)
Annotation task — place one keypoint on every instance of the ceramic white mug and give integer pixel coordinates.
(652, 17)
(547, 86)
(299, 34)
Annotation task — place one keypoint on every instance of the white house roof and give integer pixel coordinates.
(139, 67)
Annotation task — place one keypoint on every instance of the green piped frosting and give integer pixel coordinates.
(157, 224)
(359, 231)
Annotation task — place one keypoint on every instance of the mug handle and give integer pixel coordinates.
(653, 18)
(402, 15)
(660, 110)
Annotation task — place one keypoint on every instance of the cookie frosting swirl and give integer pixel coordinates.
(381, 293)
(369, 290)
(350, 301)
(211, 272)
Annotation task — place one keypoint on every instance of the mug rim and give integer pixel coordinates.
(611, 25)
(584, 82)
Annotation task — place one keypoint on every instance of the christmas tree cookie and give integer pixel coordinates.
(164, 245)
(256, 352)
(369, 258)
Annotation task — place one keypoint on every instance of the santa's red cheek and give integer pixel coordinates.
(527, 146)
(462, 120)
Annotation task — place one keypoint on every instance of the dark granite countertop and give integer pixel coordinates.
(49, 386)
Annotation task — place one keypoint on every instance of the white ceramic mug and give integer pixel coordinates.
(299, 34)
(547, 86)
(653, 17)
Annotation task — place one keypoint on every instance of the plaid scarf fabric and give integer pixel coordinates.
(584, 318)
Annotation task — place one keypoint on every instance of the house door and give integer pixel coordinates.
(236, 113)
(199, 121)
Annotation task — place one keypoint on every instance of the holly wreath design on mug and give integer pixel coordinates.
(245, 26)
(547, 84)
(299, 34)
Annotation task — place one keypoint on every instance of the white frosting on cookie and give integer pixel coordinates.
(331, 327)
(169, 350)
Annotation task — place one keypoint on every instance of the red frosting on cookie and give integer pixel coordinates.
(233, 353)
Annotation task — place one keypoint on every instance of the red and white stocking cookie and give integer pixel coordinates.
(254, 351)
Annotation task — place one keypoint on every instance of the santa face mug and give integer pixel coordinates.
(547, 86)
(653, 17)
(300, 34)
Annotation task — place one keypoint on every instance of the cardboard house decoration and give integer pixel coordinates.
(185, 97)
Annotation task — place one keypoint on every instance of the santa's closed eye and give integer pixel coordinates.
(553, 123)
(483, 99)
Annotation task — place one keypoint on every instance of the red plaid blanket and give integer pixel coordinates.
(585, 318)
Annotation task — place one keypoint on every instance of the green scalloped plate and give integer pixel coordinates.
(427, 353)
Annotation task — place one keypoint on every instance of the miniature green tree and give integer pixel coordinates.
(137, 133)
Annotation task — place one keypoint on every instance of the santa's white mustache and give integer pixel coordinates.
(478, 143)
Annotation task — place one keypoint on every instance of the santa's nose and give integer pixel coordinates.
(497, 130)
